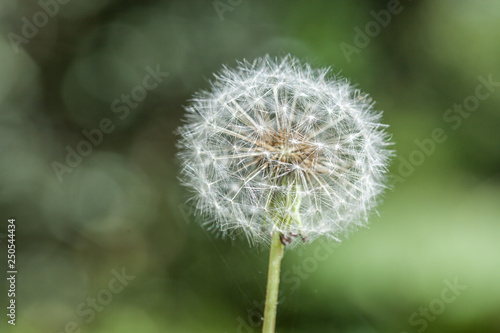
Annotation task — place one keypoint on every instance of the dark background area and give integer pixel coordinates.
(82, 218)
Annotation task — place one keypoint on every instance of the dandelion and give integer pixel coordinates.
(283, 153)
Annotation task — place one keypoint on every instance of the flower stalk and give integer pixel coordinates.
(273, 281)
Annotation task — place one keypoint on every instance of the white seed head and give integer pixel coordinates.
(276, 146)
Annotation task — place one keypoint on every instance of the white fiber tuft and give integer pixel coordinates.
(276, 146)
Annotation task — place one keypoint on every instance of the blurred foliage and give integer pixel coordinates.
(121, 205)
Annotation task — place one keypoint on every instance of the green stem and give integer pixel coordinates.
(273, 281)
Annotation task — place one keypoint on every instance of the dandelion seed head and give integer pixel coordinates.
(276, 146)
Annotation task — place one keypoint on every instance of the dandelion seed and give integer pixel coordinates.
(278, 147)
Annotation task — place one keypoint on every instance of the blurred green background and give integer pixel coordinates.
(120, 207)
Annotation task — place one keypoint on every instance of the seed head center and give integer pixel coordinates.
(287, 151)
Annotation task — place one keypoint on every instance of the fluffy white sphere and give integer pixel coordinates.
(276, 146)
